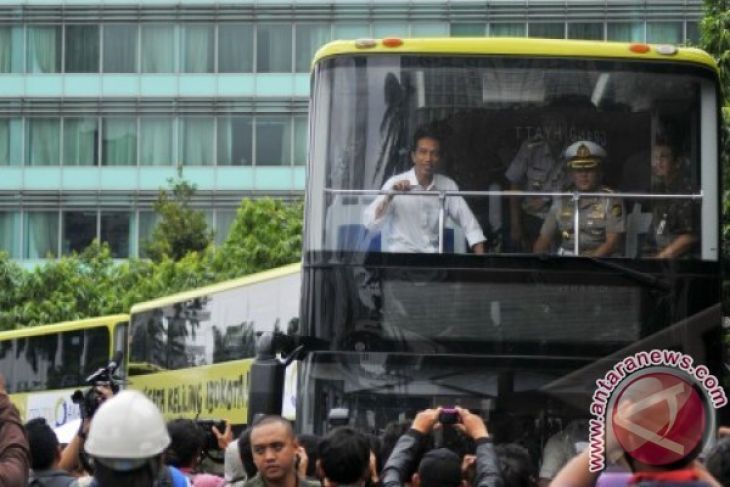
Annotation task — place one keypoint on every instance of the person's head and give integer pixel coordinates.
(663, 162)
(391, 433)
(344, 457)
(718, 461)
(516, 465)
(426, 153)
(43, 443)
(186, 443)
(438, 468)
(310, 443)
(584, 159)
(126, 441)
(274, 448)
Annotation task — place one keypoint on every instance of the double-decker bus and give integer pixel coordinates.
(518, 336)
(191, 352)
(44, 365)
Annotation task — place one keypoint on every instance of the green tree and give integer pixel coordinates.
(715, 36)
(181, 228)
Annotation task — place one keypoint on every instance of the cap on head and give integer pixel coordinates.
(440, 467)
(127, 430)
(584, 154)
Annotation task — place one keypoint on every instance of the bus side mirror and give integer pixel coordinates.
(266, 386)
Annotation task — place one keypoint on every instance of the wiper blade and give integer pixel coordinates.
(639, 276)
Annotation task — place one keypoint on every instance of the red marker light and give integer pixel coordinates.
(639, 48)
(392, 42)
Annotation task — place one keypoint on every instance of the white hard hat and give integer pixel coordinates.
(126, 429)
(584, 154)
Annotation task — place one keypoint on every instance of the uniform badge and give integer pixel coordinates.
(617, 210)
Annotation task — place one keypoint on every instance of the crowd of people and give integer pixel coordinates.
(128, 443)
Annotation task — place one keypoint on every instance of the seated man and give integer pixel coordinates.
(601, 219)
(411, 223)
(672, 232)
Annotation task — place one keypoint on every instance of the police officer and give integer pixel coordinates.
(601, 222)
(672, 232)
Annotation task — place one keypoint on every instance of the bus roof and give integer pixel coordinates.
(64, 326)
(215, 288)
(518, 47)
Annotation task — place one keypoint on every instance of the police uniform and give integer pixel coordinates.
(597, 216)
(674, 217)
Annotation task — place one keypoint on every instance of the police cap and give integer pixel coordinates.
(584, 154)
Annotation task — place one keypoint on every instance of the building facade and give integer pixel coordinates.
(103, 101)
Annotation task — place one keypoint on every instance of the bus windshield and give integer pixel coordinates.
(506, 129)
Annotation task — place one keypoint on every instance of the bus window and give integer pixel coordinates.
(7, 364)
(96, 350)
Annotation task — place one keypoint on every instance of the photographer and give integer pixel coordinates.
(187, 443)
(407, 452)
(14, 452)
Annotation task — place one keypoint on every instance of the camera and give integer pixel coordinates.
(210, 441)
(90, 400)
(448, 416)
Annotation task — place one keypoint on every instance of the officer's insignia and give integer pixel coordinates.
(617, 210)
(583, 151)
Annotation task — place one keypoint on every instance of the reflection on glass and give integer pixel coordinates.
(120, 48)
(235, 48)
(273, 141)
(155, 144)
(11, 49)
(41, 234)
(198, 54)
(119, 142)
(80, 141)
(79, 230)
(43, 141)
(115, 230)
(235, 135)
(273, 48)
(10, 233)
(310, 37)
(11, 141)
(82, 49)
(147, 222)
(44, 49)
(198, 141)
(158, 48)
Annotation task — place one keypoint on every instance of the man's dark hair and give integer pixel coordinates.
(424, 133)
(274, 419)
(718, 461)
(310, 443)
(186, 442)
(42, 442)
(440, 468)
(516, 465)
(244, 450)
(344, 455)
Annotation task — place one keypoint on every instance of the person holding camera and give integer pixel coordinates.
(407, 452)
(187, 444)
(14, 450)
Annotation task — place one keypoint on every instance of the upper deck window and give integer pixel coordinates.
(503, 130)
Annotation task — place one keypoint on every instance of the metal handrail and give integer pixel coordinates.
(574, 195)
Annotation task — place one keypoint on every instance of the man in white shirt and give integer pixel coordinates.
(410, 223)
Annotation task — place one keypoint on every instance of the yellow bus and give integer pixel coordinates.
(191, 352)
(44, 365)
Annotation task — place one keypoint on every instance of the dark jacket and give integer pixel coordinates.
(14, 452)
(51, 478)
(409, 448)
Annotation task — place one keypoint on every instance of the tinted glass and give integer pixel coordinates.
(82, 49)
(120, 48)
(273, 48)
(273, 141)
(79, 229)
(115, 230)
(235, 48)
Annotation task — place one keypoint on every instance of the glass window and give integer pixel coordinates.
(273, 48)
(273, 135)
(147, 222)
(346, 30)
(586, 30)
(41, 234)
(508, 29)
(10, 233)
(119, 143)
(300, 139)
(468, 29)
(310, 37)
(120, 48)
(625, 31)
(664, 32)
(429, 29)
(235, 48)
(11, 141)
(96, 351)
(79, 230)
(198, 54)
(693, 33)
(390, 29)
(80, 141)
(11, 49)
(223, 221)
(235, 136)
(44, 49)
(197, 141)
(43, 142)
(547, 30)
(82, 49)
(155, 144)
(115, 230)
(7, 364)
(158, 48)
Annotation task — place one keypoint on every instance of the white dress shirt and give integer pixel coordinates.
(410, 223)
